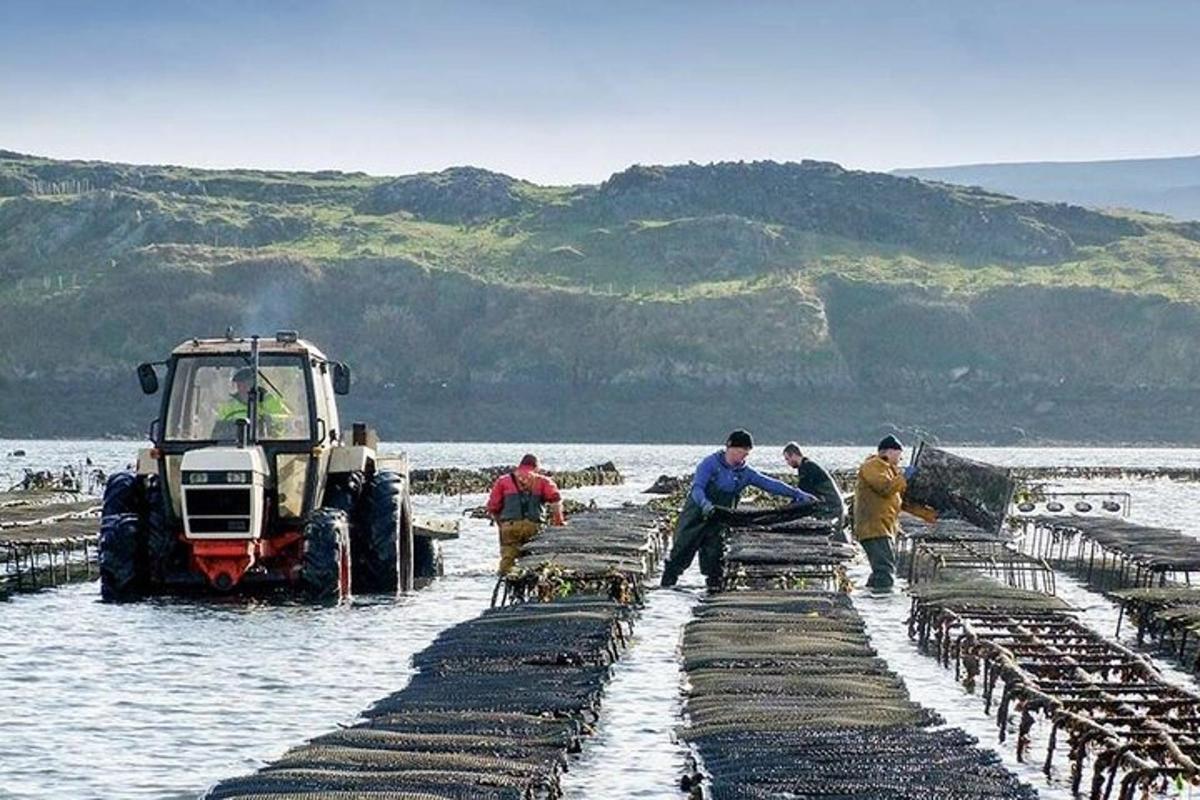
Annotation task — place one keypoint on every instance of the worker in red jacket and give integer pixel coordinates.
(518, 504)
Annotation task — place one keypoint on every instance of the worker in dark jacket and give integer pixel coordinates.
(719, 481)
(811, 477)
(878, 496)
(518, 505)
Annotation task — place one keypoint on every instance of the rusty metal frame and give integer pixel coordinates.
(1065, 545)
(928, 560)
(32, 564)
(1108, 700)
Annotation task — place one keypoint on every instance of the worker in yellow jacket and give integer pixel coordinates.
(877, 500)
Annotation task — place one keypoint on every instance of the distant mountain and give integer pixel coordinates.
(1162, 185)
(669, 303)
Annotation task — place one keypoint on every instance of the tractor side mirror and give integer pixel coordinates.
(148, 378)
(341, 378)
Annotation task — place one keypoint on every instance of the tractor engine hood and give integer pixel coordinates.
(223, 492)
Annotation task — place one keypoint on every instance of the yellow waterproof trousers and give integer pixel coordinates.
(513, 534)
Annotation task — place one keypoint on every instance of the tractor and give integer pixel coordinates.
(251, 483)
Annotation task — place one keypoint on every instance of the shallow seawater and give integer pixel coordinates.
(163, 698)
(634, 753)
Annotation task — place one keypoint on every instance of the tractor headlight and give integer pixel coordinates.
(219, 477)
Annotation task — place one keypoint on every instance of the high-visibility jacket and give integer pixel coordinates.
(235, 408)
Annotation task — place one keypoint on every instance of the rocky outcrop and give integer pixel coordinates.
(29, 175)
(453, 480)
(456, 195)
(667, 484)
(822, 197)
(101, 223)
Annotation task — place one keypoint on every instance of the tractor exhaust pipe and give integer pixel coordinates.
(253, 399)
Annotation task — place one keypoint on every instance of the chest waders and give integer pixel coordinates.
(519, 521)
(694, 533)
(522, 504)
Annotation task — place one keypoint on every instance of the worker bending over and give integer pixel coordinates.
(811, 477)
(518, 505)
(719, 481)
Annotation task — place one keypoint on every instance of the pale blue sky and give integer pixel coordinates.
(562, 92)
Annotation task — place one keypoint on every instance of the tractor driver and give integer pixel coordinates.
(271, 410)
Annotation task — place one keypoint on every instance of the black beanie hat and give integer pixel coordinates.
(890, 442)
(740, 438)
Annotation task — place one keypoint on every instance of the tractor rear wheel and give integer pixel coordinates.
(121, 557)
(344, 491)
(325, 565)
(383, 546)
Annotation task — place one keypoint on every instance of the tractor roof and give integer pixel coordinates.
(241, 345)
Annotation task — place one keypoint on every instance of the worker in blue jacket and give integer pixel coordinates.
(719, 481)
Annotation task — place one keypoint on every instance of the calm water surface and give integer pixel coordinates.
(161, 699)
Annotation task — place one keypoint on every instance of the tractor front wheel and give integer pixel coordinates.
(325, 567)
(140, 552)
(122, 494)
(121, 557)
(161, 542)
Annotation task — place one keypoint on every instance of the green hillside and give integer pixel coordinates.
(665, 303)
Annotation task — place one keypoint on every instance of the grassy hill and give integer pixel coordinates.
(666, 303)
(1163, 185)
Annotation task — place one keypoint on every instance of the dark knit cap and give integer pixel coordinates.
(890, 442)
(740, 438)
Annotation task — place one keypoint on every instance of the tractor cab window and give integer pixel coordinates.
(209, 394)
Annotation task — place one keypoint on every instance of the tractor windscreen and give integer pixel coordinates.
(209, 394)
